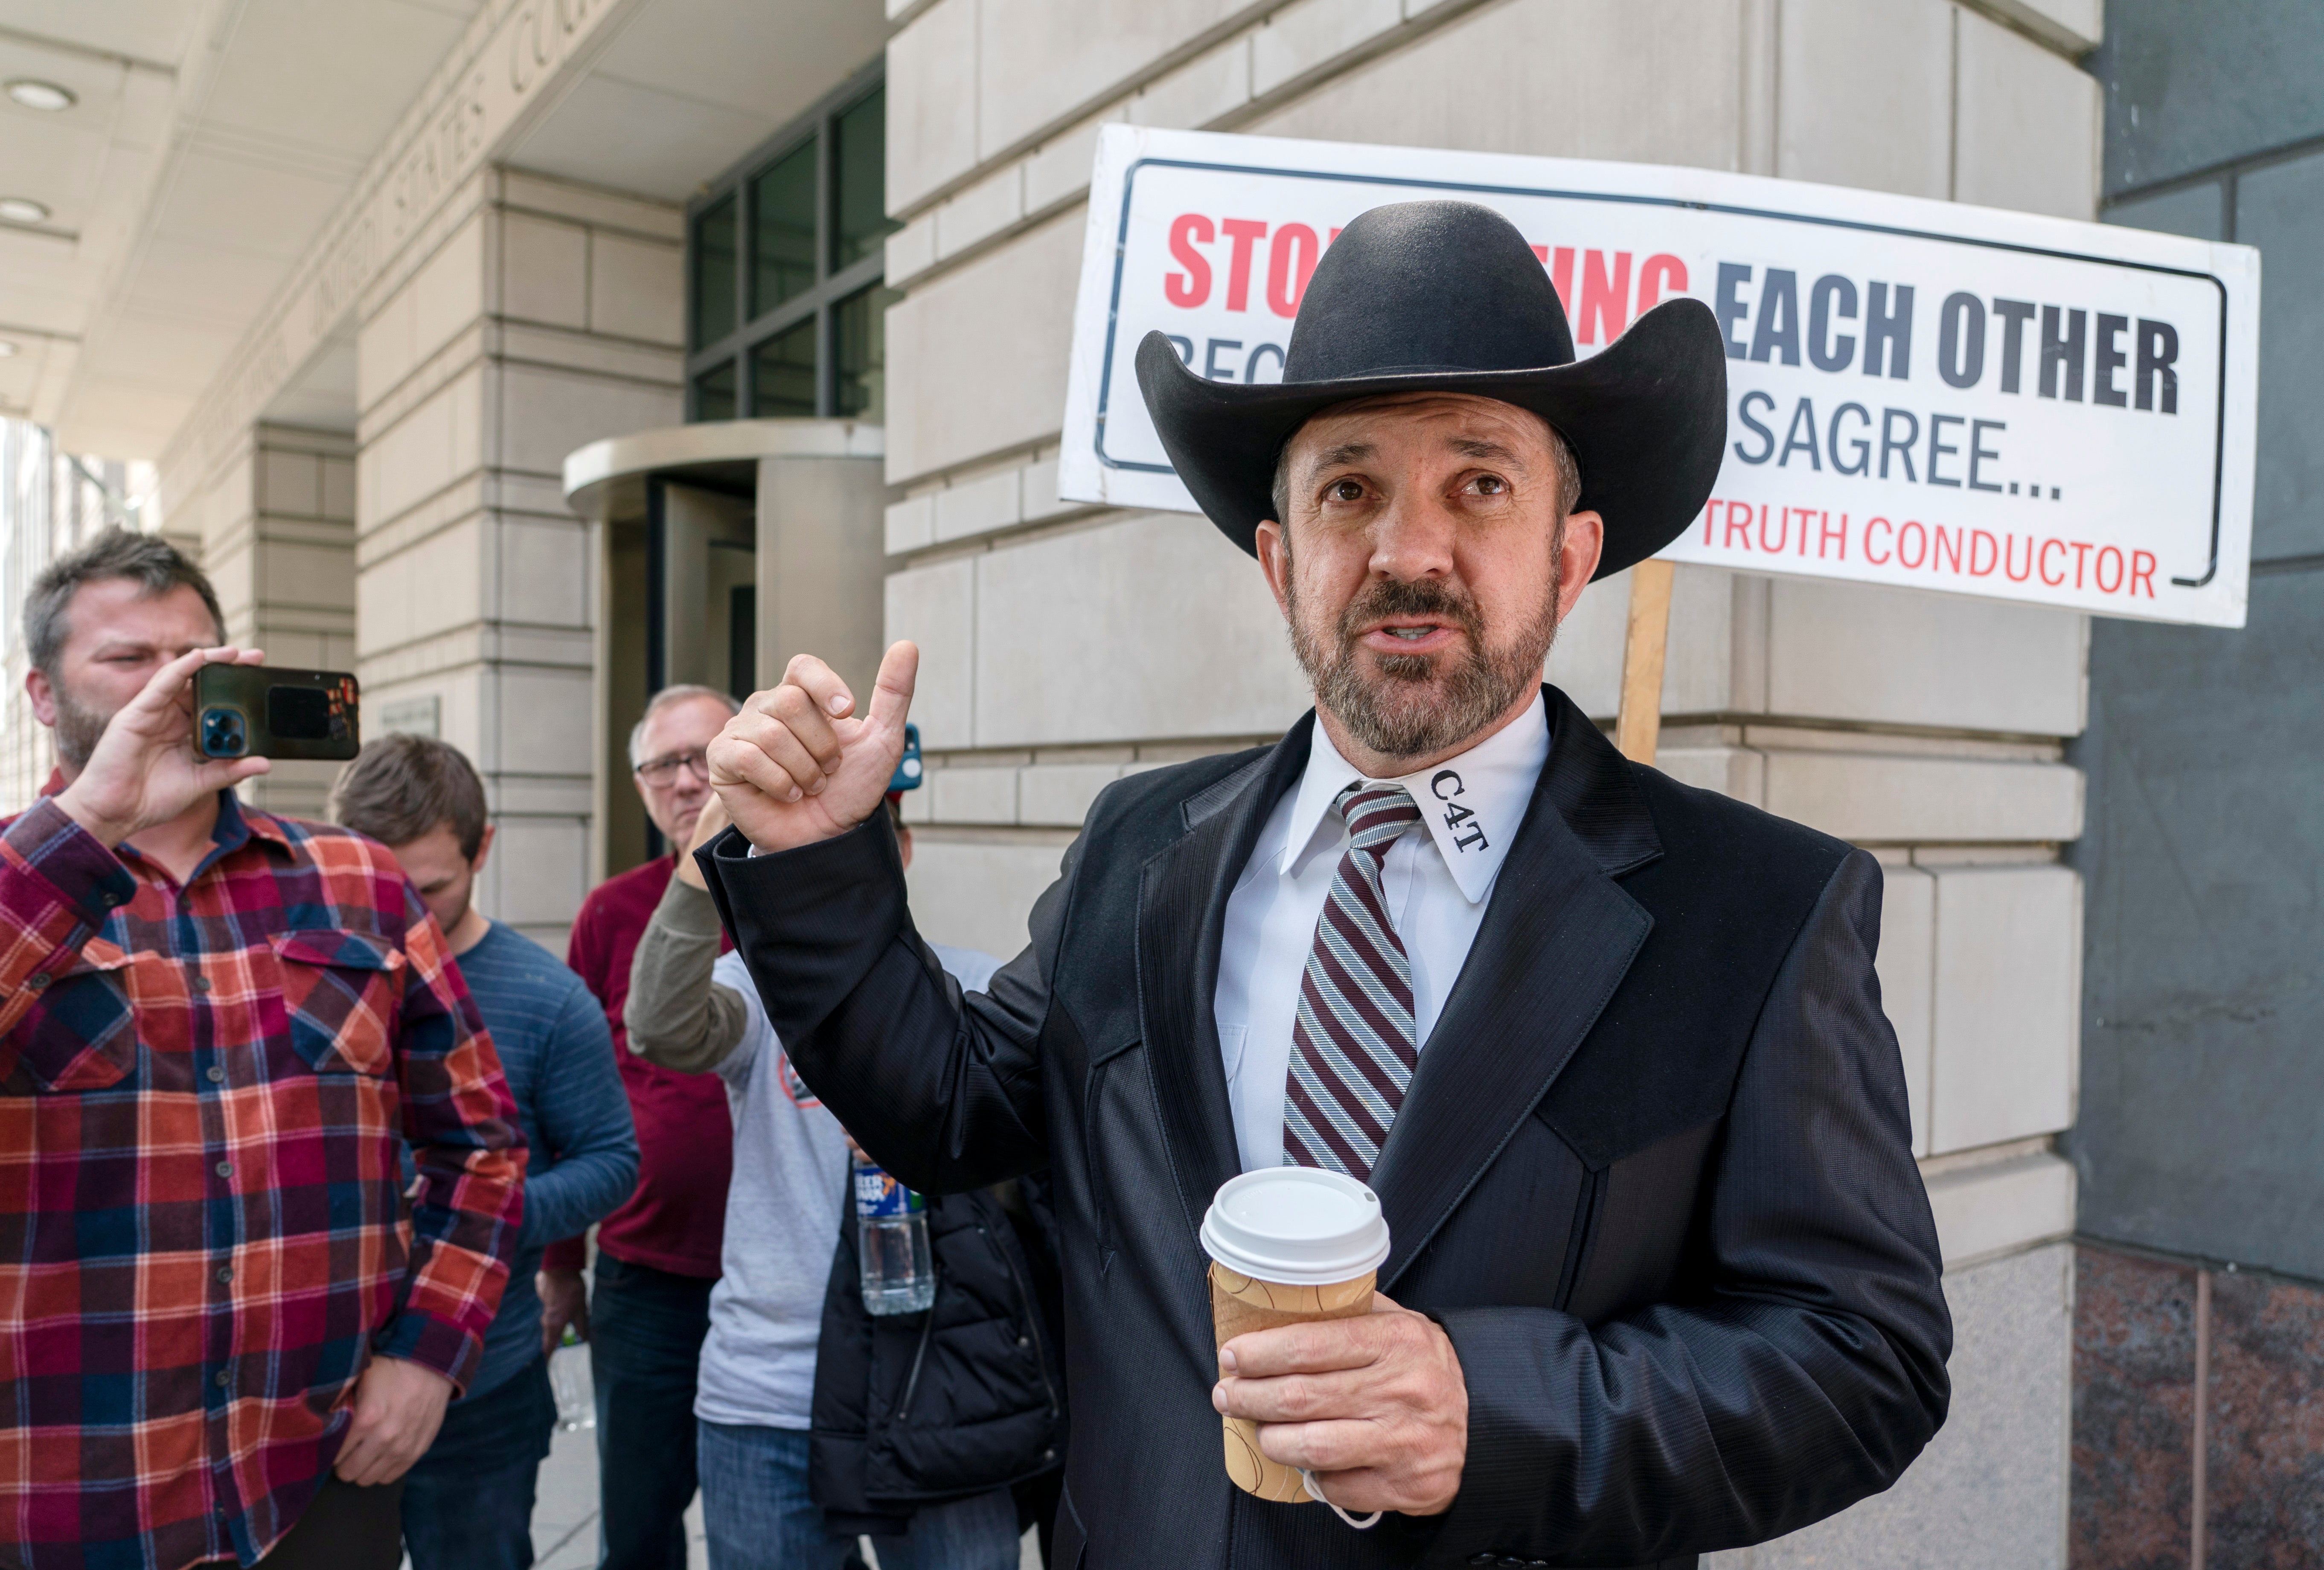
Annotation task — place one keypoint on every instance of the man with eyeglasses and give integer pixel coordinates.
(658, 1256)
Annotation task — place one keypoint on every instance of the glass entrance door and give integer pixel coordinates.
(705, 545)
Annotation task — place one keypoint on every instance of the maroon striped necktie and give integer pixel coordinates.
(1353, 1052)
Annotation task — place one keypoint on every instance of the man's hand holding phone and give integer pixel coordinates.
(797, 766)
(145, 770)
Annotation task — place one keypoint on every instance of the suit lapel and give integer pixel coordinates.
(1182, 906)
(1557, 938)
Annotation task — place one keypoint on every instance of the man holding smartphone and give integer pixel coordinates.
(231, 1336)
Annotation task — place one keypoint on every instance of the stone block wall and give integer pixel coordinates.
(1065, 645)
(276, 518)
(529, 318)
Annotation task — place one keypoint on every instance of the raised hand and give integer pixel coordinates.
(144, 769)
(797, 765)
(708, 825)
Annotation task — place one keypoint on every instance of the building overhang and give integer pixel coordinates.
(605, 481)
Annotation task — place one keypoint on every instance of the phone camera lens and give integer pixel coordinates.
(222, 735)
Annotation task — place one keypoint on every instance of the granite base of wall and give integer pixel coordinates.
(2135, 1342)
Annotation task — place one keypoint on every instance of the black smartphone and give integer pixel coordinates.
(258, 711)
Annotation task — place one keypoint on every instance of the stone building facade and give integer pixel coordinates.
(376, 473)
(1063, 646)
(2199, 1421)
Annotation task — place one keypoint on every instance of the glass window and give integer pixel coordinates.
(860, 164)
(713, 393)
(782, 203)
(715, 261)
(782, 373)
(860, 333)
(787, 319)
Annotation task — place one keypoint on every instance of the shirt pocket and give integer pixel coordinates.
(82, 1034)
(341, 991)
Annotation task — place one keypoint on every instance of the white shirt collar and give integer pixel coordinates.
(1471, 803)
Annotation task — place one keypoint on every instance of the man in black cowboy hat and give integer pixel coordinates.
(1609, 1050)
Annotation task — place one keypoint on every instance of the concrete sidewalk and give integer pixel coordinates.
(565, 1511)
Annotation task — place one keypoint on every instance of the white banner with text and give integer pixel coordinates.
(1919, 393)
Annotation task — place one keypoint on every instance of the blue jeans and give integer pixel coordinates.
(645, 1342)
(467, 1503)
(759, 1516)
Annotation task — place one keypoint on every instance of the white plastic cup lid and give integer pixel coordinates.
(1296, 1226)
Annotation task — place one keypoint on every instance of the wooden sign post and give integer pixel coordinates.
(1638, 724)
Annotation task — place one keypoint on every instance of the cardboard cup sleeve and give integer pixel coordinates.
(1240, 1305)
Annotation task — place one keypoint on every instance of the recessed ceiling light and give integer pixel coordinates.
(22, 210)
(6, 348)
(35, 95)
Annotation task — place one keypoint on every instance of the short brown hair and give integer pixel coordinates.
(148, 561)
(400, 787)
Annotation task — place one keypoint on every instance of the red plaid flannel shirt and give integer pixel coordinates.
(204, 1095)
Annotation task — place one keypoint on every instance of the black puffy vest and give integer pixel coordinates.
(913, 1409)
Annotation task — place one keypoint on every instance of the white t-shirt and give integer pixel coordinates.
(782, 1220)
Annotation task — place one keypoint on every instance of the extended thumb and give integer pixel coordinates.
(892, 694)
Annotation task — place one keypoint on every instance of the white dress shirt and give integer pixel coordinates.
(1435, 884)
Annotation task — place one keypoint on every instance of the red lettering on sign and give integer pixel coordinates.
(1920, 555)
(1290, 260)
(1243, 232)
(1541, 255)
(1660, 273)
(1829, 534)
(1978, 537)
(1189, 289)
(1913, 545)
(1605, 298)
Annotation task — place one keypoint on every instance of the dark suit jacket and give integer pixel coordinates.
(1653, 1175)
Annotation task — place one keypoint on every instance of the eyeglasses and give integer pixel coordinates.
(663, 770)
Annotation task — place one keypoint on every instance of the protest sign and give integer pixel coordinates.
(1920, 393)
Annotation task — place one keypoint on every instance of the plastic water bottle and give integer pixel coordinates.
(892, 1243)
(568, 1376)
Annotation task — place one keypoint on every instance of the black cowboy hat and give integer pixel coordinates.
(1446, 296)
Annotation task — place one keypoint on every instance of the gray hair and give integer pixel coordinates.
(1569, 476)
(148, 561)
(670, 697)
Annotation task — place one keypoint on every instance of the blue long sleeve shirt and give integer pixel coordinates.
(557, 1055)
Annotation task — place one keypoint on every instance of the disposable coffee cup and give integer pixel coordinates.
(1287, 1244)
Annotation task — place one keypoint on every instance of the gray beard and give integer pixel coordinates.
(79, 729)
(1419, 704)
